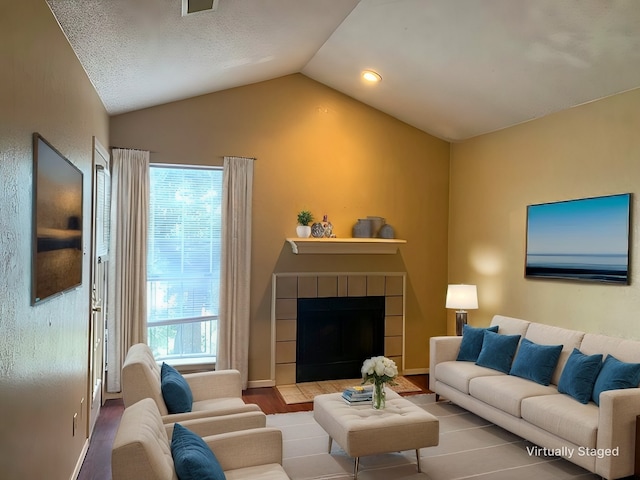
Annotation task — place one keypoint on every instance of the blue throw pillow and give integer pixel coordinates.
(175, 390)
(497, 351)
(536, 362)
(192, 457)
(615, 375)
(579, 375)
(472, 342)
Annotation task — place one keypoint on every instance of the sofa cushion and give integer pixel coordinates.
(510, 325)
(459, 374)
(498, 351)
(192, 457)
(579, 375)
(260, 472)
(222, 406)
(471, 345)
(623, 349)
(506, 392)
(175, 390)
(141, 377)
(615, 375)
(562, 416)
(551, 335)
(536, 362)
(141, 448)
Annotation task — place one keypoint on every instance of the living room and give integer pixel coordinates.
(460, 206)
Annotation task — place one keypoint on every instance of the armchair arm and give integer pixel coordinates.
(216, 384)
(441, 349)
(617, 428)
(247, 448)
(208, 426)
(182, 417)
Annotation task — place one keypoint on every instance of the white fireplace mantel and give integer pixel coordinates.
(344, 246)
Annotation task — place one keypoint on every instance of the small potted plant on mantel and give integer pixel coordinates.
(303, 230)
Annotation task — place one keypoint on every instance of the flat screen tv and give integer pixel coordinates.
(585, 239)
(57, 223)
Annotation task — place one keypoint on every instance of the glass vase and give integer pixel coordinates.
(379, 396)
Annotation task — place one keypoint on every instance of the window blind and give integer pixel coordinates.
(183, 271)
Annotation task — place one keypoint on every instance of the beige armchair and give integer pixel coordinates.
(214, 393)
(142, 448)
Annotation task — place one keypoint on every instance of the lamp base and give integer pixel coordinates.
(461, 319)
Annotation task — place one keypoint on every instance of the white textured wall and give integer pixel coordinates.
(43, 349)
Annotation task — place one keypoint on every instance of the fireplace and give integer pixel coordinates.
(288, 289)
(336, 334)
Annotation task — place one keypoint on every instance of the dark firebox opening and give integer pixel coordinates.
(335, 335)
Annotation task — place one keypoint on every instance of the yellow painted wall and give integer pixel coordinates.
(320, 150)
(587, 151)
(43, 349)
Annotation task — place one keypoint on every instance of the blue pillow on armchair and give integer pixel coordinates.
(471, 345)
(498, 351)
(192, 457)
(175, 390)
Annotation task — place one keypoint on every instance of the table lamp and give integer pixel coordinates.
(462, 298)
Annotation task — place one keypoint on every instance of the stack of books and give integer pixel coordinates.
(358, 395)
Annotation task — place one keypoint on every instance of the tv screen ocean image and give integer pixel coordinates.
(586, 239)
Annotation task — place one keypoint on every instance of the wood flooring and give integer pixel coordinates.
(97, 463)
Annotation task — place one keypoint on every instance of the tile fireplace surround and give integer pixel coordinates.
(288, 287)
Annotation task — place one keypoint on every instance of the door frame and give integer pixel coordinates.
(95, 399)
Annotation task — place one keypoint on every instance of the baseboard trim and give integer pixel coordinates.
(416, 371)
(261, 383)
(83, 454)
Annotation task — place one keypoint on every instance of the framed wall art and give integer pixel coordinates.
(57, 222)
(585, 239)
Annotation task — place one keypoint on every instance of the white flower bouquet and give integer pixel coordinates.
(379, 371)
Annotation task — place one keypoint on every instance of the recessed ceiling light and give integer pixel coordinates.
(371, 76)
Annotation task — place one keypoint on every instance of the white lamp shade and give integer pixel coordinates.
(462, 297)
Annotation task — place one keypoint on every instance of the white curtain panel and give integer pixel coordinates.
(235, 270)
(127, 319)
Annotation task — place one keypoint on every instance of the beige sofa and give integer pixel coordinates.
(214, 393)
(142, 448)
(600, 438)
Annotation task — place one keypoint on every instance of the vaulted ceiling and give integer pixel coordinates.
(452, 68)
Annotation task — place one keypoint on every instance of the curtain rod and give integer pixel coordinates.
(136, 149)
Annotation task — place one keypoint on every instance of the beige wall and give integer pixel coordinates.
(586, 151)
(320, 150)
(316, 149)
(43, 349)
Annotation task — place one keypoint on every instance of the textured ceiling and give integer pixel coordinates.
(452, 68)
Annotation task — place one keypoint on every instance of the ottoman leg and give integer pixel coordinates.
(330, 444)
(418, 459)
(355, 468)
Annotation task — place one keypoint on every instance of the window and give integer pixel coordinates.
(183, 270)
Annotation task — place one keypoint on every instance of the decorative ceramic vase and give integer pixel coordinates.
(317, 230)
(328, 228)
(362, 229)
(379, 396)
(386, 231)
(303, 231)
(376, 225)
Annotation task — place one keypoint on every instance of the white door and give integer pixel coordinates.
(101, 200)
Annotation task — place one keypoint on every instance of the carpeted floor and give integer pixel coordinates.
(470, 448)
(304, 392)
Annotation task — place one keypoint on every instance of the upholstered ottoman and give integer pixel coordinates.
(360, 430)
